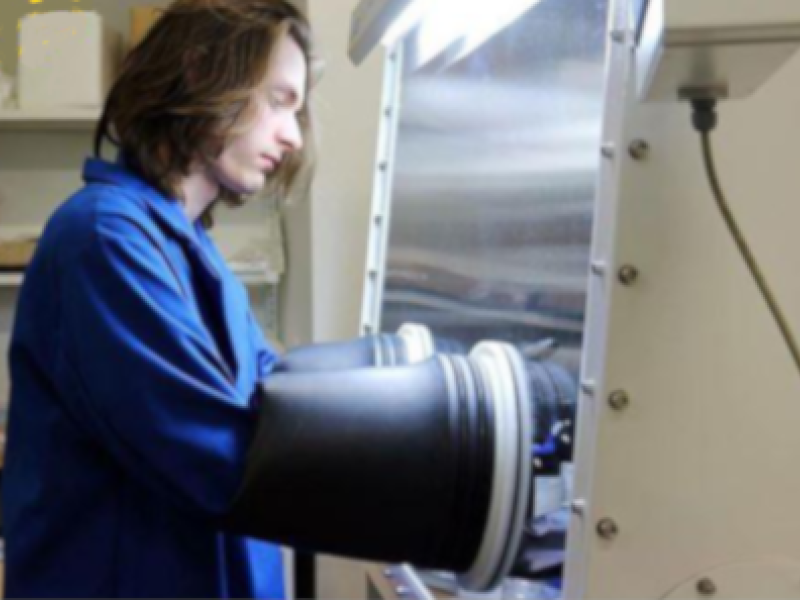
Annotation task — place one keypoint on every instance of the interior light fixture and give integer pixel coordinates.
(457, 26)
(464, 25)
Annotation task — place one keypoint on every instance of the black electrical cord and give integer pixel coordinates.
(704, 119)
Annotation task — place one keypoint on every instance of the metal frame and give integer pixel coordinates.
(681, 359)
(619, 68)
(380, 219)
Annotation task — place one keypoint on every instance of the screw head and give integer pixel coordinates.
(599, 267)
(578, 507)
(607, 529)
(618, 36)
(639, 150)
(619, 400)
(706, 587)
(628, 275)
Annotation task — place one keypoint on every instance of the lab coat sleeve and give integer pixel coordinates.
(152, 387)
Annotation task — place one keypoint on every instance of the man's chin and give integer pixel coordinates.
(248, 188)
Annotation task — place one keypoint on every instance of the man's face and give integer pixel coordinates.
(248, 159)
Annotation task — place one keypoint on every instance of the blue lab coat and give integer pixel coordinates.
(134, 361)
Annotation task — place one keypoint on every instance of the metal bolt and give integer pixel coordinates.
(388, 112)
(607, 529)
(378, 219)
(618, 35)
(588, 387)
(373, 274)
(628, 275)
(383, 166)
(608, 150)
(599, 267)
(578, 507)
(639, 150)
(619, 400)
(706, 587)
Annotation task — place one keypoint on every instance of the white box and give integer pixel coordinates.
(67, 59)
(720, 48)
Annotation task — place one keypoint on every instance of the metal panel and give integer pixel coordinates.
(492, 171)
(496, 162)
(691, 344)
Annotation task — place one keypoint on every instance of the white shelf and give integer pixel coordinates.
(60, 119)
(248, 276)
(11, 280)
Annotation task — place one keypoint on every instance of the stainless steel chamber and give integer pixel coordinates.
(483, 217)
(494, 181)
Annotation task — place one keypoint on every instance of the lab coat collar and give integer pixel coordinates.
(168, 210)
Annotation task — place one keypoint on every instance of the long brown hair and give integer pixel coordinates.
(188, 87)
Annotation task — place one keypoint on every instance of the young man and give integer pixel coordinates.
(134, 356)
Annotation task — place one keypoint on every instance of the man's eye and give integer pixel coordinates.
(278, 100)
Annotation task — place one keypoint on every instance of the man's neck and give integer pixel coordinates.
(199, 192)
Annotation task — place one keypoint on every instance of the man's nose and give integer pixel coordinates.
(291, 137)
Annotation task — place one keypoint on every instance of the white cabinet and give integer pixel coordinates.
(67, 119)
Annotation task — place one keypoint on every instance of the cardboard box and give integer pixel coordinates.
(67, 59)
(15, 255)
(142, 19)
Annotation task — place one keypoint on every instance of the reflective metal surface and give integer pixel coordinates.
(494, 184)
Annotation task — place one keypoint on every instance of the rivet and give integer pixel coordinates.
(619, 400)
(607, 529)
(628, 275)
(639, 150)
(706, 587)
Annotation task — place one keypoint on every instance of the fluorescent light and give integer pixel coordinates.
(408, 19)
(498, 15)
(468, 23)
